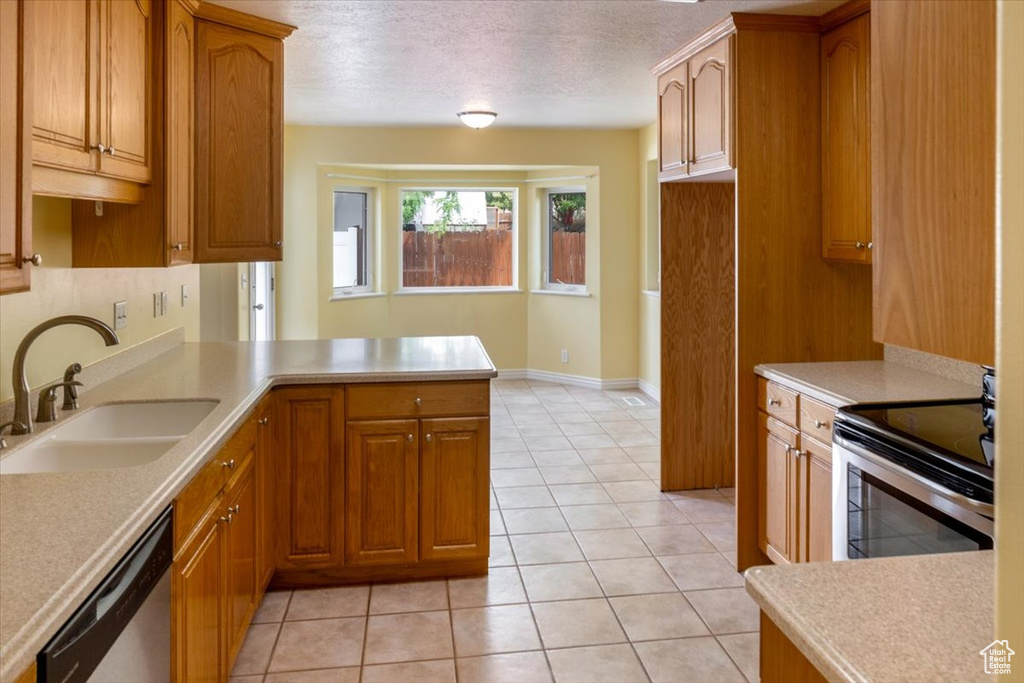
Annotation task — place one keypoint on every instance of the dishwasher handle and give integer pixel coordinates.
(82, 642)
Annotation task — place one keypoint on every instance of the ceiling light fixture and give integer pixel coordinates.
(477, 119)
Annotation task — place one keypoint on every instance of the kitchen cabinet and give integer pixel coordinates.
(780, 490)
(91, 111)
(815, 535)
(673, 112)
(15, 152)
(239, 136)
(846, 142)
(933, 148)
(241, 515)
(266, 462)
(157, 231)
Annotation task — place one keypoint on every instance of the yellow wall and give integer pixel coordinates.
(57, 289)
(519, 330)
(650, 299)
(1010, 338)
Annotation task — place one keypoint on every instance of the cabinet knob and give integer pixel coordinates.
(798, 453)
(111, 151)
(230, 517)
(230, 464)
(819, 424)
(263, 421)
(858, 245)
(178, 246)
(34, 259)
(409, 438)
(418, 401)
(101, 148)
(235, 509)
(774, 402)
(429, 437)
(277, 244)
(871, 245)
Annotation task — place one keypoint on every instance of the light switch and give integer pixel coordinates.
(164, 306)
(184, 295)
(120, 315)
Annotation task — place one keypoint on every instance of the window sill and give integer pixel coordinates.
(562, 292)
(422, 291)
(357, 295)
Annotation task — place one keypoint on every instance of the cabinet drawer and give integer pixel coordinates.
(778, 401)
(781, 430)
(417, 399)
(816, 419)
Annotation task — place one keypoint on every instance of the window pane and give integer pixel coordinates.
(350, 262)
(567, 238)
(457, 238)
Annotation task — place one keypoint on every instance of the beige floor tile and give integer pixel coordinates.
(436, 671)
(545, 548)
(524, 497)
(328, 603)
(603, 415)
(534, 520)
(632, 576)
(254, 678)
(528, 430)
(744, 648)
(413, 596)
(564, 458)
(517, 667)
(568, 581)
(697, 572)
(699, 510)
(658, 616)
(644, 453)
(582, 441)
(346, 675)
(569, 474)
(504, 432)
(643, 439)
(579, 494)
(408, 637)
(501, 586)
(501, 553)
(584, 517)
(494, 630)
(501, 461)
(652, 470)
(493, 499)
(515, 445)
(604, 456)
(576, 416)
(692, 659)
(273, 607)
(497, 524)
(534, 416)
(523, 476)
(575, 623)
(722, 534)
(633, 491)
(653, 513)
(256, 650)
(547, 443)
(681, 539)
(601, 664)
(319, 644)
(619, 472)
(580, 428)
(608, 544)
(727, 610)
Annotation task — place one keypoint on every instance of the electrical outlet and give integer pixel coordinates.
(120, 315)
(184, 295)
(158, 308)
(164, 306)
(565, 355)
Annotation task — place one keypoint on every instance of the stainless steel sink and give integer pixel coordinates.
(109, 437)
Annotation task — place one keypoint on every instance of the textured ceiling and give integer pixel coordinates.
(558, 63)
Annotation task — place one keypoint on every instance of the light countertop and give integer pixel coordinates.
(918, 618)
(61, 533)
(867, 381)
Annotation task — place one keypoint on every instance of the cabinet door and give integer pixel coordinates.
(455, 469)
(63, 35)
(778, 493)
(197, 606)
(179, 132)
(673, 110)
(239, 100)
(381, 486)
(15, 152)
(711, 112)
(816, 496)
(266, 458)
(311, 476)
(240, 511)
(125, 101)
(846, 142)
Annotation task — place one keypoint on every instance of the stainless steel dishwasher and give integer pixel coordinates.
(122, 633)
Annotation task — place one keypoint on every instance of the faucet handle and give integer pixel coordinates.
(47, 410)
(71, 387)
(13, 424)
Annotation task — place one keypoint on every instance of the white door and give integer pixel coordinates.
(261, 300)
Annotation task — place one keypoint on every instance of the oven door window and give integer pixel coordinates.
(886, 522)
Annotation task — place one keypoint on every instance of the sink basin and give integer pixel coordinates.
(110, 437)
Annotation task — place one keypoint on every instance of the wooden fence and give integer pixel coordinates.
(568, 257)
(457, 259)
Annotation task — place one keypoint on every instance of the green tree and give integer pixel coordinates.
(568, 208)
(412, 202)
(500, 200)
(449, 210)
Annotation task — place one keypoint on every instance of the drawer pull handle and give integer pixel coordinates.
(418, 401)
(263, 421)
(429, 437)
(410, 438)
(230, 464)
(179, 246)
(798, 453)
(858, 245)
(774, 402)
(820, 425)
(34, 259)
(234, 510)
(229, 518)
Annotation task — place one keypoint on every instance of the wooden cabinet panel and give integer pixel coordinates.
(780, 402)
(15, 150)
(311, 476)
(239, 126)
(711, 110)
(197, 614)
(241, 515)
(382, 472)
(778, 471)
(125, 101)
(816, 496)
(846, 142)
(266, 462)
(418, 399)
(179, 133)
(933, 149)
(673, 112)
(454, 503)
(816, 419)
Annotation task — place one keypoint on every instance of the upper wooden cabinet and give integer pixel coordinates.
(239, 129)
(695, 108)
(15, 152)
(933, 149)
(91, 87)
(846, 142)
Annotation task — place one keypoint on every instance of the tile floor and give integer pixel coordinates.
(595, 574)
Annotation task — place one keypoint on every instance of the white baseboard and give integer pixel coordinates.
(569, 380)
(649, 389)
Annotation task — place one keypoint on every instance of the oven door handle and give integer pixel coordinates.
(855, 447)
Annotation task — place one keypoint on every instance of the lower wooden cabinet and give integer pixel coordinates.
(816, 523)
(779, 489)
(240, 517)
(266, 449)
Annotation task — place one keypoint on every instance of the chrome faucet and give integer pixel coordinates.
(22, 393)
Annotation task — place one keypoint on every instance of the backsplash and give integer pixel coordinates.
(950, 368)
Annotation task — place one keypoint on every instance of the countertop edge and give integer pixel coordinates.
(815, 392)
